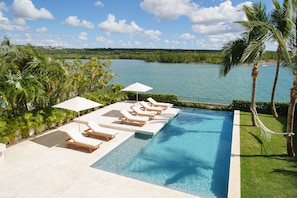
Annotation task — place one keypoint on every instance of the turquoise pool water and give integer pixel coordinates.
(190, 154)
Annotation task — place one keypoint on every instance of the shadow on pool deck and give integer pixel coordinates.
(55, 138)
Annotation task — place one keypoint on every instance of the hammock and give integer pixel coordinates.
(265, 132)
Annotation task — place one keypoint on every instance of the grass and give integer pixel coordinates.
(266, 171)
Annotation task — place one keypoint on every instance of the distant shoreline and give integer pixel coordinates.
(148, 55)
(266, 63)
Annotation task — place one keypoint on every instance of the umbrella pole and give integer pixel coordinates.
(79, 121)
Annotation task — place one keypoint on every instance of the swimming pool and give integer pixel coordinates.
(190, 154)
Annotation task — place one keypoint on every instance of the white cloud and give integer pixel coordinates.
(98, 3)
(168, 9)
(224, 12)
(126, 44)
(187, 36)
(41, 30)
(153, 34)
(111, 25)
(137, 43)
(83, 36)
(45, 39)
(212, 28)
(224, 38)
(17, 24)
(5, 23)
(104, 41)
(175, 42)
(208, 21)
(75, 21)
(26, 9)
(3, 6)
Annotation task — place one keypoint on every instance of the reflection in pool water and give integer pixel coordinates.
(190, 154)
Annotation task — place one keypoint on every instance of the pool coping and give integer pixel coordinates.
(234, 185)
(29, 163)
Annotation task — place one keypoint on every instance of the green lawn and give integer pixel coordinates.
(266, 171)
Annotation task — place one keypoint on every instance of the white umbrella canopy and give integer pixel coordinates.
(137, 87)
(77, 104)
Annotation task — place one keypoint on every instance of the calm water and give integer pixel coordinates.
(201, 82)
(190, 154)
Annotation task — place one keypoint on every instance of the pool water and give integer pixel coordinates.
(190, 154)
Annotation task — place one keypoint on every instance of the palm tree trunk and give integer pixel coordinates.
(290, 119)
(255, 72)
(273, 109)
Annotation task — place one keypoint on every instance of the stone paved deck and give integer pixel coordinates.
(43, 167)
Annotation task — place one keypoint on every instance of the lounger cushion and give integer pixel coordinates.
(150, 108)
(140, 111)
(97, 128)
(154, 102)
(129, 116)
(76, 136)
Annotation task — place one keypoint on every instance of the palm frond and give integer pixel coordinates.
(232, 54)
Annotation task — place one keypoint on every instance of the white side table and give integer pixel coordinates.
(2, 149)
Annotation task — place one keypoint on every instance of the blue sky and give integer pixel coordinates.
(169, 24)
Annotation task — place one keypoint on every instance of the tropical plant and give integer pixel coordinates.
(262, 25)
(9, 129)
(31, 83)
(293, 91)
(248, 49)
(281, 20)
(26, 123)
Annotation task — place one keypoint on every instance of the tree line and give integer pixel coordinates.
(149, 55)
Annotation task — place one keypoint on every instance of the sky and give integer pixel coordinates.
(165, 24)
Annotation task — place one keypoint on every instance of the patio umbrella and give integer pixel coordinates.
(77, 104)
(137, 87)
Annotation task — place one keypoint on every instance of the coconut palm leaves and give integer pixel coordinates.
(293, 92)
(22, 88)
(281, 20)
(232, 55)
(249, 48)
(258, 31)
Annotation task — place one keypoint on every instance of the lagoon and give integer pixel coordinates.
(201, 82)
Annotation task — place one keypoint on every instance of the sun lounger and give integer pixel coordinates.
(154, 103)
(140, 112)
(147, 107)
(96, 130)
(127, 117)
(77, 139)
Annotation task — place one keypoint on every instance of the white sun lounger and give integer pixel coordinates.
(164, 105)
(141, 112)
(77, 139)
(96, 130)
(127, 117)
(147, 107)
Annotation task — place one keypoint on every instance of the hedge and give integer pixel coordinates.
(242, 105)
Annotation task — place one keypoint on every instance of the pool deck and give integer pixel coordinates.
(109, 117)
(42, 166)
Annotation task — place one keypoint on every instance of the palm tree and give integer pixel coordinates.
(292, 62)
(248, 49)
(22, 88)
(293, 91)
(280, 19)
